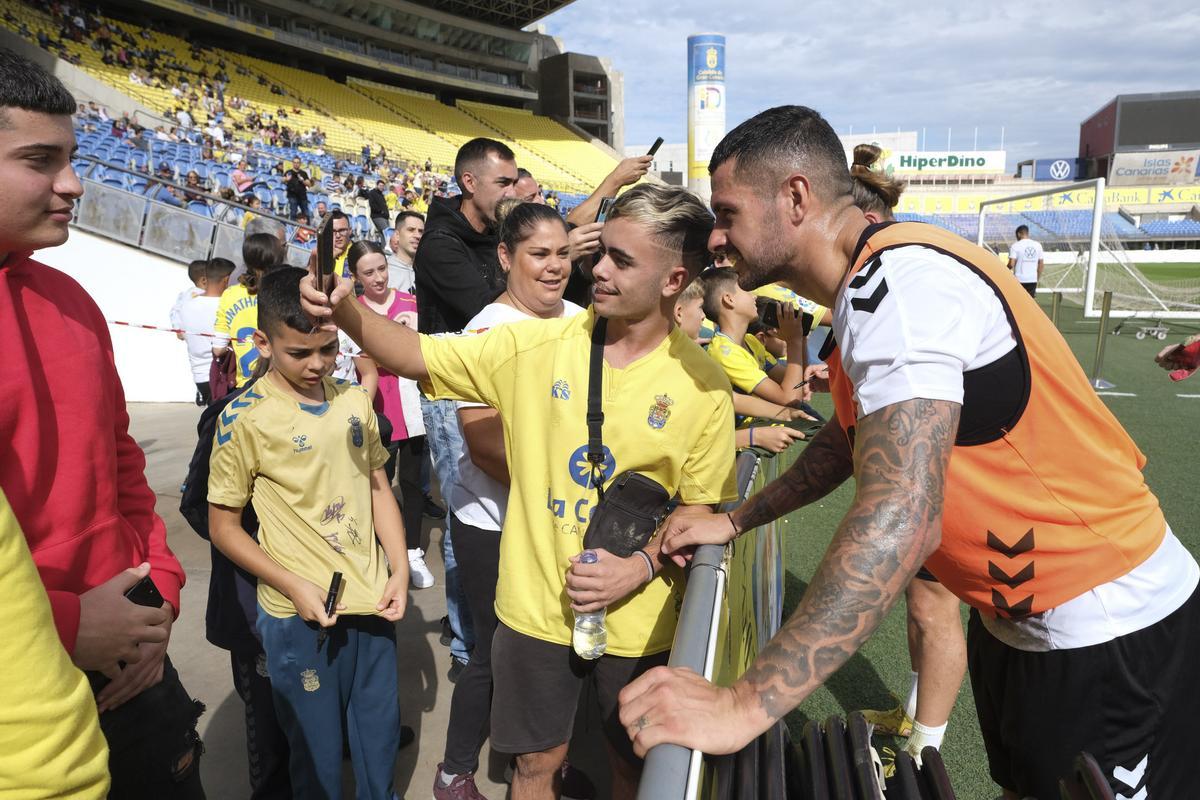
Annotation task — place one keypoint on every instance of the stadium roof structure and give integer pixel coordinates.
(504, 13)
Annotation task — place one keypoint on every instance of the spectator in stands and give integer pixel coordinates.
(81, 499)
(237, 313)
(254, 203)
(241, 179)
(197, 318)
(977, 444)
(533, 255)
(406, 235)
(457, 274)
(399, 400)
(296, 182)
(319, 213)
(1026, 261)
(527, 189)
(378, 205)
(303, 234)
(185, 118)
(193, 191)
(658, 235)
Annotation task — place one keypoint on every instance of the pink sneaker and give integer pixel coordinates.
(461, 788)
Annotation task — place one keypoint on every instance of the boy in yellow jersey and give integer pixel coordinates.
(745, 360)
(689, 317)
(668, 416)
(306, 449)
(50, 740)
(237, 312)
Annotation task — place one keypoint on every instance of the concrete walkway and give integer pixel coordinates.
(167, 434)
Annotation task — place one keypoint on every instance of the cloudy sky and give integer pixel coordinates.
(1037, 69)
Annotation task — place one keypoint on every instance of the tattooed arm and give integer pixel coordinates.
(900, 461)
(823, 466)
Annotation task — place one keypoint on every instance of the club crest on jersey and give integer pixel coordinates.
(356, 431)
(561, 390)
(660, 412)
(301, 442)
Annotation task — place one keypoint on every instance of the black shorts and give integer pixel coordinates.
(1130, 702)
(1031, 288)
(536, 687)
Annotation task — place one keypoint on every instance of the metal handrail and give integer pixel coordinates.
(665, 773)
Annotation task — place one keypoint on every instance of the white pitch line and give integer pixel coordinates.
(1188, 395)
(1117, 394)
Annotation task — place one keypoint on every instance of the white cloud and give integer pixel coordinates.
(1038, 70)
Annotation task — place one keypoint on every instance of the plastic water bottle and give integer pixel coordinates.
(590, 638)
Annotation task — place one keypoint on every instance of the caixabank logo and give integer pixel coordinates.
(571, 515)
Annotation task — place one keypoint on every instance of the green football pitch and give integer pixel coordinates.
(1160, 415)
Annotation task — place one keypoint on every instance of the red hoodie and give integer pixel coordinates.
(73, 474)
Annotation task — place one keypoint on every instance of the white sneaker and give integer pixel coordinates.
(418, 573)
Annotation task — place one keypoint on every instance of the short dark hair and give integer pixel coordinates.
(523, 173)
(197, 269)
(26, 85)
(337, 213)
(717, 282)
(1022, 229)
(360, 249)
(476, 150)
(781, 139)
(279, 301)
(516, 221)
(219, 268)
(400, 217)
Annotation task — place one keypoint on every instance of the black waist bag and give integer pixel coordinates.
(632, 507)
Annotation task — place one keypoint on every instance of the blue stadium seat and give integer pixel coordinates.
(362, 225)
(199, 207)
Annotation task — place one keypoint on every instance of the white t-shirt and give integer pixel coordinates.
(180, 299)
(913, 324)
(343, 367)
(197, 316)
(476, 498)
(1026, 253)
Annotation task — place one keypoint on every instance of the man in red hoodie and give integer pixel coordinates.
(72, 473)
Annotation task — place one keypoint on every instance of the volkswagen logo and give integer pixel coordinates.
(1060, 170)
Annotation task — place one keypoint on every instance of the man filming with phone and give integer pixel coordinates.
(664, 411)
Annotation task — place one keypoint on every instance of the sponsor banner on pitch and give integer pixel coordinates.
(955, 162)
(1161, 168)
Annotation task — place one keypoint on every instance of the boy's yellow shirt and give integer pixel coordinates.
(668, 415)
(308, 469)
(745, 368)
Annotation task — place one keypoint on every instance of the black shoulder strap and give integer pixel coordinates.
(595, 410)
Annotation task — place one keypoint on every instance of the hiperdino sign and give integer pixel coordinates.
(957, 162)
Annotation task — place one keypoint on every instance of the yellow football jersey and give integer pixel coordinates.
(668, 415)
(237, 319)
(744, 368)
(50, 739)
(307, 468)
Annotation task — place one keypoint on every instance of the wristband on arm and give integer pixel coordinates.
(649, 564)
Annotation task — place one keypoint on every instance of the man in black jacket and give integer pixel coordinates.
(379, 208)
(457, 274)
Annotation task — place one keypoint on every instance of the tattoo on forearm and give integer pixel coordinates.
(900, 458)
(823, 466)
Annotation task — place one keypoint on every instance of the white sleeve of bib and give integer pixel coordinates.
(912, 328)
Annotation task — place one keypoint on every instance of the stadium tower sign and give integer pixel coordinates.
(975, 162)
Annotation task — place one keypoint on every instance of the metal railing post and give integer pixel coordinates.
(1101, 335)
(1055, 304)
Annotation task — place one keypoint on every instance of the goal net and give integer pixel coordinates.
(1089, 249)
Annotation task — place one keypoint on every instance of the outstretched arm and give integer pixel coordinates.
(900, 458)
(823, 466)
(392, 345)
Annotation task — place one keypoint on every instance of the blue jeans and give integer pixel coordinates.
(352, 677)
(445, 445)
(295, 206)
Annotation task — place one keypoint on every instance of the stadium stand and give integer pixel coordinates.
(344, 116)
